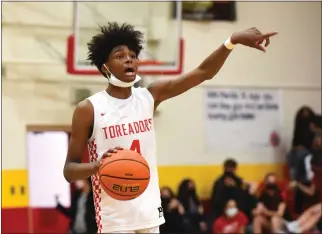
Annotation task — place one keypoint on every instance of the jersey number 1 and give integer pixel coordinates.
(136, 146)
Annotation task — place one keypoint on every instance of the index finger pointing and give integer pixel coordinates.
(267, 35)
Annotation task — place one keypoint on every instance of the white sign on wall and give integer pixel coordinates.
(242, 119)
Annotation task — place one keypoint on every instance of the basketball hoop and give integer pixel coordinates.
(73, 69)
(162, 52)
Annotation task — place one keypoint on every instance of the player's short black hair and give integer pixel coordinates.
(113, 35)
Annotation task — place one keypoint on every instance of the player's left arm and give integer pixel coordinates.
(164, 89)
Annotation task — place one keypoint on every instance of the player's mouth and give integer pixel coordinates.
(130, 72)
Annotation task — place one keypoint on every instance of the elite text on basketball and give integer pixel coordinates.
(126, 188)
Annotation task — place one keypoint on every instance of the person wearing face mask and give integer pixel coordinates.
(311, 197)
(317, 161)
(232, 221)
(270, 204)
(302, 141)
(173, 212)
(317, 150)
(121, 117)
(306, 185)
(230, 186)
(303, 133)
(81, 212)
(306, 193)
(225, 186)
(188, 197)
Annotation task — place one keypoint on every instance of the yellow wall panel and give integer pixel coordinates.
(15, 188)
(15, 182)
(205, 175)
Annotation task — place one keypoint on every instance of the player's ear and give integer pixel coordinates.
(104, 68)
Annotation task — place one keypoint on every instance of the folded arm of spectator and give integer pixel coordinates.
(261, 209)
(181, 209)
(281, 209)
(309, 190)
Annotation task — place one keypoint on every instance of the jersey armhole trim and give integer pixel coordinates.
(150, 95)
(94, 123)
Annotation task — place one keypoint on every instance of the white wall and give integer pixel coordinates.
(294, 58)
(181, 128)
(34, 93)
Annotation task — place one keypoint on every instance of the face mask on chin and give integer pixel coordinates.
(118, 83)
(231, 212)
(272, 186)
(165, 200)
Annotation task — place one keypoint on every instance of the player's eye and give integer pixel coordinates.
(133, 56)
(119, 56)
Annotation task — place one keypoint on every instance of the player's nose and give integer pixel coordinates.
(128, 59)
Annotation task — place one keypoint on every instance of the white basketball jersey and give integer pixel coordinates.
(127, 123)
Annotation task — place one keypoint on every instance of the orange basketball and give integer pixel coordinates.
(125, 175)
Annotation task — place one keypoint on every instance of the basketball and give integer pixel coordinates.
(125, 175)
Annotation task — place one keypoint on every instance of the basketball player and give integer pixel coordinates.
(122, 116)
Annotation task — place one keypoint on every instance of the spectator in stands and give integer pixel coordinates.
(317, 143)
(230, 186)
(317, 161)
(303, 184)
(302, 181)
(173, 212)
(81, 211)
(306, 194)
(232, 221)
(302, 140)
(187, 195)
(306, 222)
(317, 123)
(303, 127)
(227, 186)
(270, 203)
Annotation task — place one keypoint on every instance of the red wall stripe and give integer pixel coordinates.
(14, 220)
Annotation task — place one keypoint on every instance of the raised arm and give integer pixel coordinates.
(82, 123)
(164, 89)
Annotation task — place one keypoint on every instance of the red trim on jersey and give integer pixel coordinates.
(93, 156)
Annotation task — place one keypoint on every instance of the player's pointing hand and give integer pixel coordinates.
(253, 38)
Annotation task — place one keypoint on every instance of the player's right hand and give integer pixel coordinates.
(111, 151)
(108, 153)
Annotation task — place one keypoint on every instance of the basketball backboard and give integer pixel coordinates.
(159, 21)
